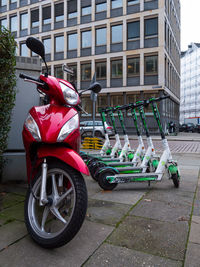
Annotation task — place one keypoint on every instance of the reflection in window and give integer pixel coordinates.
(133, 30)
(101, 36)
(72, 15)
(3, 2)
(86, 104)
(23, 50)
(133, 67)
(72, 41)
(86, 39)
(86, 72)
(58, 72)
(132, 2)
(3, 23)
(13, 24)
(117, 34)
(70, 78)
(59, 44)
(151, 65)
(116, 4)
(46, 15)
(116, 66)
(151, 26)
(24, 21)
(101, 70)
(101, 7)
(86, 10)
(35, 18)
(59, 12)
(47, 45)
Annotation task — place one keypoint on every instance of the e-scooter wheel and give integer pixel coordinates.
(56, 223)
(102, 181)
(94, 170)
(175, 179)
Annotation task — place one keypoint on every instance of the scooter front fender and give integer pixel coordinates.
(66, 155)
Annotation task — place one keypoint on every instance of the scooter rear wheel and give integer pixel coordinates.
(175, 180)
(103, 183)
(56, 223)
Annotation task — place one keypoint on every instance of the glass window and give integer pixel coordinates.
(86, 39)
(151, 26)
(133, 30)
(133, 66)
(133, 98)
(101, 7)
(101, 70)
(13, 24)
(72, 41)
(58, 72)
(102, 102)
(13, 1)
(59, 44)
(117, 34)
(59, 12)
(72, 15)
(46, 15)
(4, 23)
(23, 50)
(86, 104)
(47, 45)
(86, 72)
(116, 66)
(70, 78)
(151, 65)
(116, 3)
(86, 10)
(101, 36)
(132, 2)
(3, 2)
(116, 100)
(35, 18)
(24, 21)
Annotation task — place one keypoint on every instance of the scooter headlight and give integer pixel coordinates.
(70, 96)
(31, 125)
(68, 127)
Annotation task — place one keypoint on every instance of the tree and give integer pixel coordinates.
(7, 86)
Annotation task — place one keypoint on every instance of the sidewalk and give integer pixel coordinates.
(134, 225)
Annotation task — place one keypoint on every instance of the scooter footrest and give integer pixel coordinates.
(126, 178)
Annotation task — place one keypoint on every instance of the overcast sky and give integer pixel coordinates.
(190, 22)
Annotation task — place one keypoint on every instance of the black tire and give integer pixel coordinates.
(98, 134)
(72, 208)
(103, 183)
(175, 180)
(95, 169)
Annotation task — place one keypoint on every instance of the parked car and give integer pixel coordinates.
(183, 127)
(187, 127)
(86, 128)
(197, 128)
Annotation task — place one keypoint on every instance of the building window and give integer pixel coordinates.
(116, 68)
(101, 36)
(151, 27)
(101, 70)
(116, 34)
(35, 18)
(86, 104)
(13, 1)
(23, 50)
(86, 39)
(46, 15)
(59, 12)
(58, 72)
(101, 7)
(72, 9)
(151, 65)
(59, 44)
(86, 72)
(70, 78)
(102, 102)
(133, 29)
(24, 21)
(133, 98)
(116, 4)
(3, 23)
(13, 24)
(133, 2)
(86, 10)
(133, 67)
(72, 41)
(3, 2)
(116, 100)
(47, 45)
(72, 15)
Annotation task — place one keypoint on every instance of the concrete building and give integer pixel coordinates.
(133, 45)
(190, 84)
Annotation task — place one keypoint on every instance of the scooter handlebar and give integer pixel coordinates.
(24, 76)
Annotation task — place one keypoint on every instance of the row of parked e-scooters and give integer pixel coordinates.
(123, 164)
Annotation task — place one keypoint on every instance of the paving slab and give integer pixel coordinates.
(158, 210)
(8, 199)
(15, 212)
(112, 256)
(10, 233)
(163, 239)
(195, 230)
(26, 253)
(12, 187)
(192, 255)
(189, 159)
(106, 212)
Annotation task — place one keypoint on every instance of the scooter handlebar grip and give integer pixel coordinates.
(24, 76)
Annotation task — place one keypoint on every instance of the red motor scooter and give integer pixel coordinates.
(56, 200)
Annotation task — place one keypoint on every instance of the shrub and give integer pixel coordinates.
(7, 86)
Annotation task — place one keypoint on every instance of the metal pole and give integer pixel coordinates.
(93, 115)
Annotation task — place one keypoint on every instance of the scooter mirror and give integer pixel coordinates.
(36, 46)
(95, 87)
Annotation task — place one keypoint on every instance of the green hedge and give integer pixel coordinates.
(7, 86)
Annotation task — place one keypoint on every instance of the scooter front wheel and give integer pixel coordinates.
(103, 182)
(56, 223)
